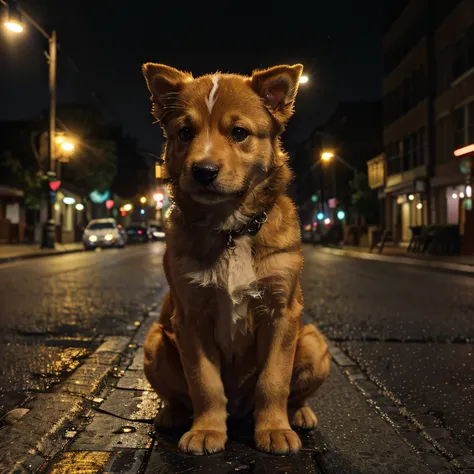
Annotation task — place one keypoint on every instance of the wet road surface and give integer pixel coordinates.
(55, 311)
(410, 329)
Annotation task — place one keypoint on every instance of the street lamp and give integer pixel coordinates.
(303, 79)
(13, 24)
(327, 155)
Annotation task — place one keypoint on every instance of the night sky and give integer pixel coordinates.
(339, 43)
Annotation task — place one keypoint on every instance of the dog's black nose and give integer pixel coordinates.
(205, 172)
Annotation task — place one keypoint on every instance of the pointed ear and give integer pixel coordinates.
(162, 82)
(277, 87)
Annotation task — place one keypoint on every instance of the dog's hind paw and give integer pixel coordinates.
(303, 418)
(203, 442)
(277, 441)
(171, 416)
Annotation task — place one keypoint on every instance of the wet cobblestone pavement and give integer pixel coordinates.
(399, 398)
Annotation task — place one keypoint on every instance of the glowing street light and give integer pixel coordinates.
(303, 79)
(68, 146)
(14, 21)
(327, 155)
(158, 197)
(143, 199)
(127, 207)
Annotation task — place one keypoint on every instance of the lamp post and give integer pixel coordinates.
(14, 24)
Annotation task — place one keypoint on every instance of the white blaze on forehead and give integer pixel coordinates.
(211, 100)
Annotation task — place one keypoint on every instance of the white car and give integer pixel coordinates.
(103, 233)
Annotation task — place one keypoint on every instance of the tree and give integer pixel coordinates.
(364, 200)
(93, 165)
(26, 179)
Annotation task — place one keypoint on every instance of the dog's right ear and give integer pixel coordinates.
(163, 82)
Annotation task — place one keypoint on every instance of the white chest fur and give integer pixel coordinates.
(235, 274)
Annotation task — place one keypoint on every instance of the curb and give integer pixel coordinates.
(435, 265)
(38, 255)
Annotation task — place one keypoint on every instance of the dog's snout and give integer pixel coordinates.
(205, 171)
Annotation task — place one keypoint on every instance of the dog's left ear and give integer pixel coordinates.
(277, 87)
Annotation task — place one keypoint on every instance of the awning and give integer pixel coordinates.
(8, 191)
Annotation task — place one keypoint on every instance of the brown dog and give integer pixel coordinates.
(230, 339)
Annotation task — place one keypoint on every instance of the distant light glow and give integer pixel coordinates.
(142, 211)
(304, 79)
(411, 197)
(109, 204)
(468, 191)
(13, 26)
(140, 232)
(69, 200)
(320, 216)
(143, 199)
(79, 207)
(327, 221)
(159, 204)
(464, 151)
(67, 146)
(419, 205)
(341, 215)
(327, 155)
(461, 195)
(454, 196)
(127, 207)
(158, 197)
(307, 227)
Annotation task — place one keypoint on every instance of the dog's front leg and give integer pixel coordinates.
(201, 363)
(276, 340)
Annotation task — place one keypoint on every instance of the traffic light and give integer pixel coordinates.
(320, 216)
(341, 215)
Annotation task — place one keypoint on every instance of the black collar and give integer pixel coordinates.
(250, 229)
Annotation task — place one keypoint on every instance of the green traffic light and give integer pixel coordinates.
(341, 215)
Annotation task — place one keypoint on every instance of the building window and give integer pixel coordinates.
(407, 153)
(464, 53)
(393, 159)
(459, 128)
(422, 145)
(471, 123)
(444, 141)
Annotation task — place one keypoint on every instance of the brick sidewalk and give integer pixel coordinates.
(20, 251)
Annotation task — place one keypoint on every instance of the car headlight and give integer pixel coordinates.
(93, 238)
(109, 237)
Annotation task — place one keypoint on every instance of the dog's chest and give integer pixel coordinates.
(234, 274)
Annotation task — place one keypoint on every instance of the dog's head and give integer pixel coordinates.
(222, 130)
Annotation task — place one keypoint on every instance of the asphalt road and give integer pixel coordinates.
(408, 329)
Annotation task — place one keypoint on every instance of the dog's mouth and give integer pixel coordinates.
(214, 196)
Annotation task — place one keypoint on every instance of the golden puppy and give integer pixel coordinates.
(230, 340)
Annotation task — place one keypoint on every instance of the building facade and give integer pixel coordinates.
(428, 90)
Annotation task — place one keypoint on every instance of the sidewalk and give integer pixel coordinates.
(459, 264)
(9, 253)
(100, 421)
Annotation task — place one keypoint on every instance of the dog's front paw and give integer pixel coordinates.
(277, 441)
(303, 418)
(203, 442)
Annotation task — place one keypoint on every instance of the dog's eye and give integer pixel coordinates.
(186, 134)
(239, 134)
